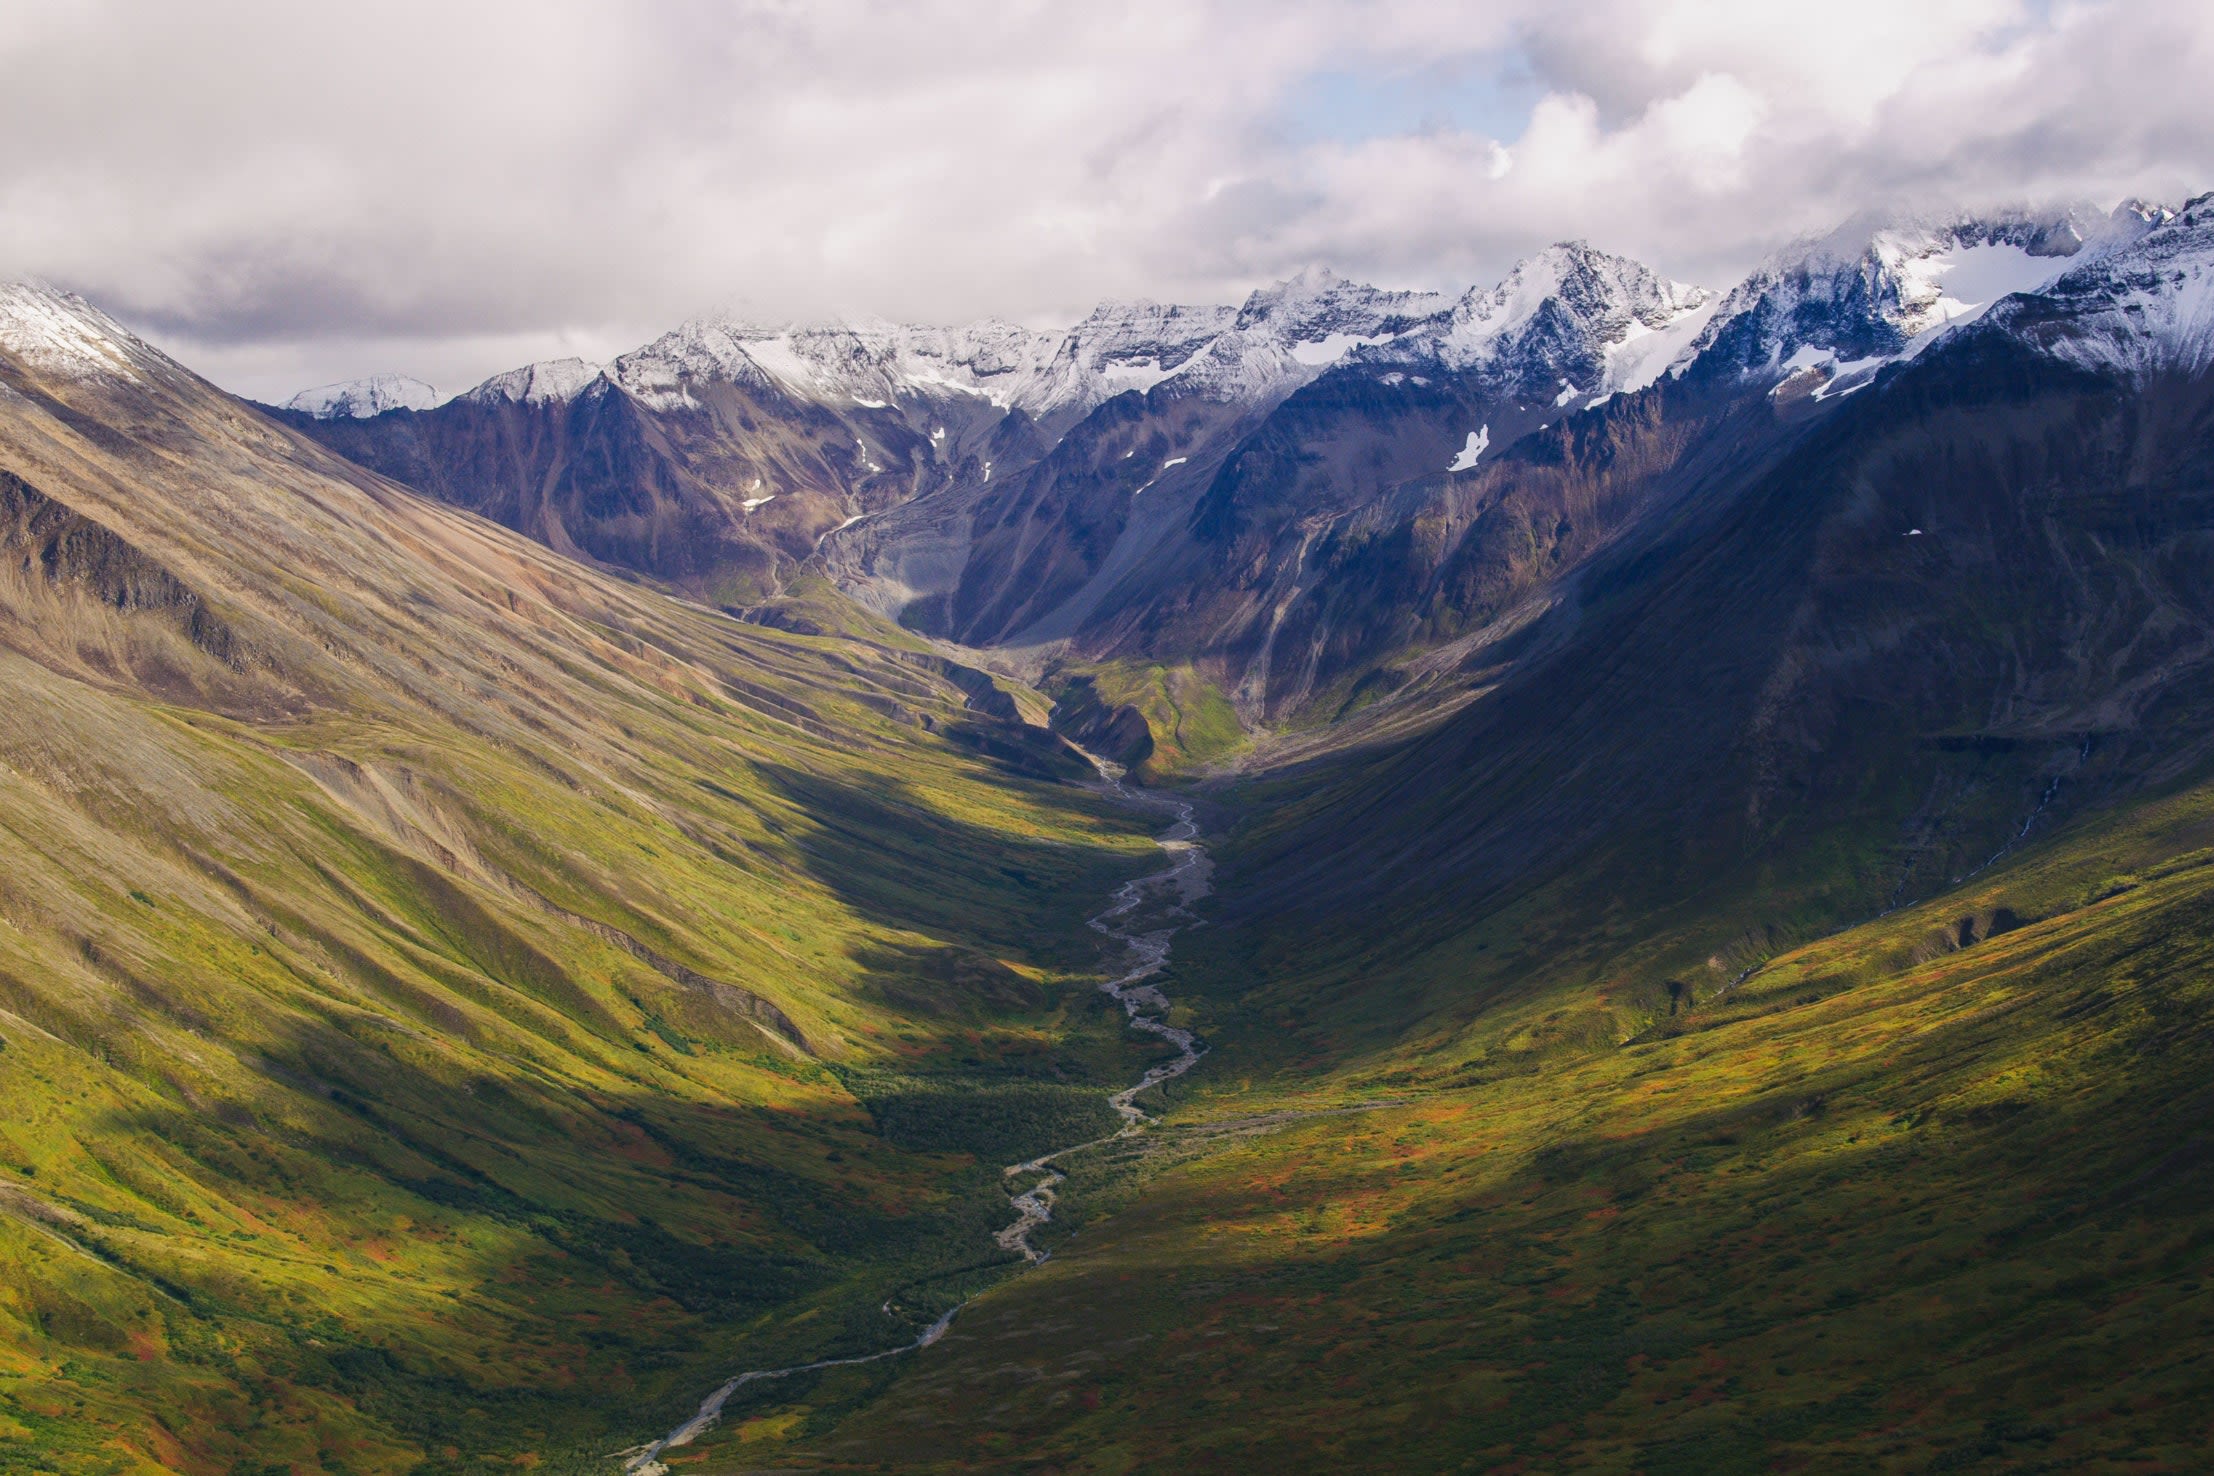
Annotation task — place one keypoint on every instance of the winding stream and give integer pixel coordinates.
(1189, 878)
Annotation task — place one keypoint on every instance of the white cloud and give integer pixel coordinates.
(288, 193)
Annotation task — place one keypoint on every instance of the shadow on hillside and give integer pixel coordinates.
(499, 1261)
(534, 1230)
(905, 863)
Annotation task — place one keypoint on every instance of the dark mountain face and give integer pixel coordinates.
(1189, 526)
(1435, 559)
(1856, 669)
(678, 496)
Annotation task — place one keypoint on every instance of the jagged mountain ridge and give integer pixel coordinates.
(1382, 510)
(722, 454)
(1175, 484)
(1890, 642)
(2141, 300)
(1132, 485)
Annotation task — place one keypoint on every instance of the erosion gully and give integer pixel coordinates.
(1162, 898)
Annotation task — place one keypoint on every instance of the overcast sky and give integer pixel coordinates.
(289, 194)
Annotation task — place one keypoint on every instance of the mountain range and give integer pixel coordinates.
(1687, 943)
(1182, 483)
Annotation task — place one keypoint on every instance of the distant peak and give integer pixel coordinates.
(547, 381)
(1883, 237)
(2146, 211)
(1608, 298)
(360, 399)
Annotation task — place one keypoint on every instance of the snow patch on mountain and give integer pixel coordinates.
(359, 399)
(1332, 347)
(1287, 334)
(879, 365)
(1136, 374)
(709, 350)
(1955, 284)
(1121, 347)
(1643, 354)
(1568, 316)
(1283, 336)
(1479, 441)
(1594, 295)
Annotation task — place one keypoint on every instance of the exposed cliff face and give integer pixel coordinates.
(714, 497)
(83, 599)
(1312, 600)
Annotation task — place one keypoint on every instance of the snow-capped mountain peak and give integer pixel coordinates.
(1317, 304)
(1879, 287)
(1289, 332)
(1282, 336)
(60, 333)
(1127, 346)
(549, 381)
(870, 363)
(704, 349)
(360, 399)
(1568, 324)
(2139, 300)
(1603, 298)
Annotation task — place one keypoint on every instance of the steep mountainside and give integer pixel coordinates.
(448, 998)
(1147, 491)
(363, 399)
(1993, 537)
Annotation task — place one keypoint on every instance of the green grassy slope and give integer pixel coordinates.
(1160, 721)
(454, 1006)
(1908, 1198)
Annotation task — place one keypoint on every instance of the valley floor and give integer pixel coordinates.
(1140, 922)
(1913, 1196)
